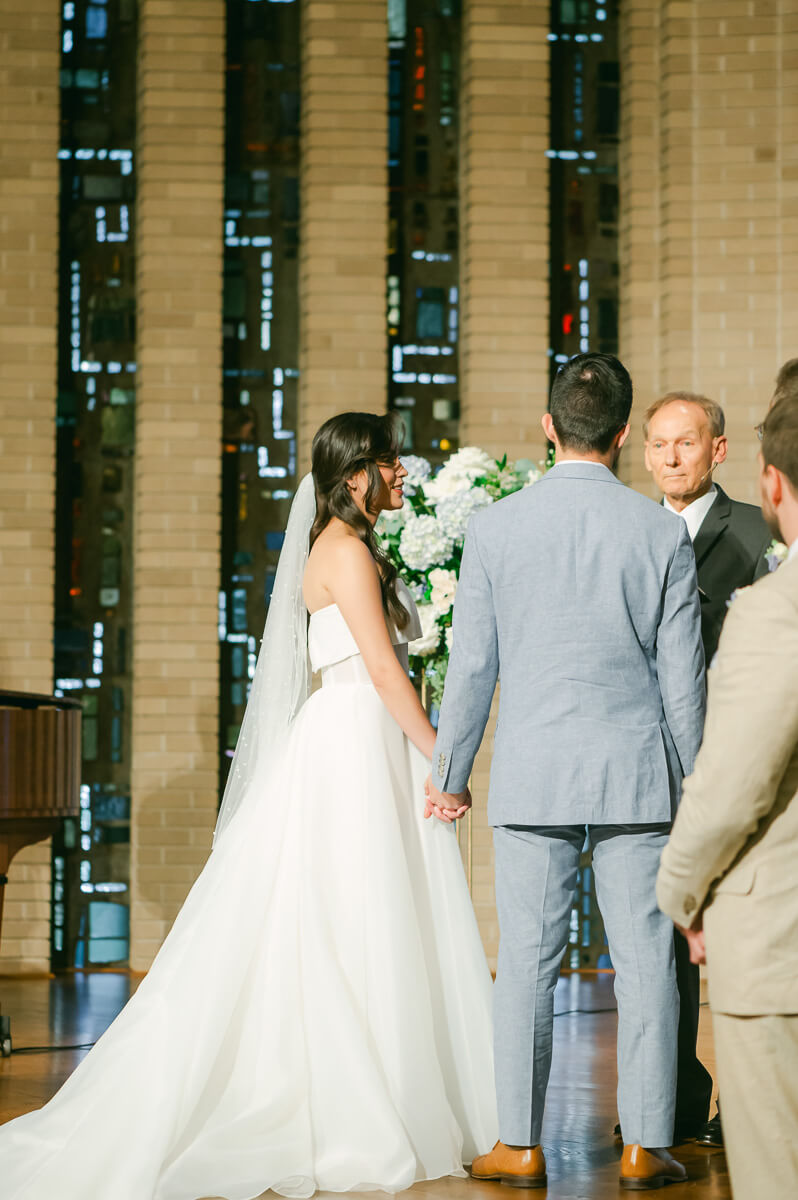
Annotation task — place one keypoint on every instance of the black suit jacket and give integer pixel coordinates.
(729, 553)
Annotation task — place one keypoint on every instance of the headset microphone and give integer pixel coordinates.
(706, 473)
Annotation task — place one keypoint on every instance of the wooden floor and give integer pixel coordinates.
(577, 1133)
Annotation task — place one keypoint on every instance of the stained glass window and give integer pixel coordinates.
(261, 237)
(422, 288)
(583, 158)
(94, 468)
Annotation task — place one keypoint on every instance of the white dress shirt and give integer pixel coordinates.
(695, 512)
(793, 550)
(569, 462)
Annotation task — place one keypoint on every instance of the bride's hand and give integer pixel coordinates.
(446, 806)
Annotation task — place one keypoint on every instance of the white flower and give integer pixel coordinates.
(445, 483)
(776, 554)
(424, 543)
(418, 472)
(471, 461)
(444, 586)
(430, 631)
(454, 512)
(533, 475)
(391, 520)
(458, 473)
(449, 636)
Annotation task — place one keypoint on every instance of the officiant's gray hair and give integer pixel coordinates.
(714, 413)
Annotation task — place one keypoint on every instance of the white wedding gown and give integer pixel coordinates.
(319, 1016)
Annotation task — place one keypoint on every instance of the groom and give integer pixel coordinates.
(581, 595)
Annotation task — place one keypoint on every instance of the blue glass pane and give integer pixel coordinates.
(109, 931)
(96, 22)
(429, 319)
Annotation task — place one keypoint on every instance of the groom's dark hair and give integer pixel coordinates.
(780, 435)
(591, 399)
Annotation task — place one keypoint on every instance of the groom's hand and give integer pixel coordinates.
(446, 806)
(695, 941)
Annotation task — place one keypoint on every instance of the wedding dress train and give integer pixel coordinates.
(319, 1016)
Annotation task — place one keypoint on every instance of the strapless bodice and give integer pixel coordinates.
(331, 644)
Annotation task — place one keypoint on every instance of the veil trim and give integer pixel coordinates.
(281, 683)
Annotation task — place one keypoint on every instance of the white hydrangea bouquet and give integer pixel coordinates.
(424, 539)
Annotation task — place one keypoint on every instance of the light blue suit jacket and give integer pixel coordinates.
(581, 596)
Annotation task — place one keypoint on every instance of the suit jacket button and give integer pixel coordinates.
(689, 904)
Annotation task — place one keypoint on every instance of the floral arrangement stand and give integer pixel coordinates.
(424, 539)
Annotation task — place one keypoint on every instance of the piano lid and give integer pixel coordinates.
(36, 700)
(39, 756)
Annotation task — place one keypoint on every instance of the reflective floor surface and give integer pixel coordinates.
(582, 1158)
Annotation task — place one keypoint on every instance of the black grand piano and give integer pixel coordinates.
(39, 780)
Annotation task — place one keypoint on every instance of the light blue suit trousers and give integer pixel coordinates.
(536, 870)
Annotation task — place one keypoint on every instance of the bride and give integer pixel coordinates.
(320, 1014)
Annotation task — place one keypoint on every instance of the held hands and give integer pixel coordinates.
(695, 942)
(446, 806)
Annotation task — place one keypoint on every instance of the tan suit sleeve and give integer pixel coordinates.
(750, 734)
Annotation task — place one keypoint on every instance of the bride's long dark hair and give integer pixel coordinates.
(344, 445)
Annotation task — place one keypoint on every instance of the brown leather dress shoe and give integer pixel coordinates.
(643, 1169)
(518, 1168)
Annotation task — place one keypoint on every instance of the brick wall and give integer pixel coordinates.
(29, 114)
(504, 277)
(639, 246)
(710, 197)
(504, 227)
(177, 502)
(344, 207)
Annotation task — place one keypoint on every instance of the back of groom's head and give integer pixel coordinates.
(591, 399)
(780, 435)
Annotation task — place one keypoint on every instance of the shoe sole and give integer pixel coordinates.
(645, 1185)
(516, 1181)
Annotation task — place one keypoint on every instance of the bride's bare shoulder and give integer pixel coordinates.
(337, 555)
(339, 545)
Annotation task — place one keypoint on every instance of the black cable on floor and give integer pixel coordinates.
(48, 1049)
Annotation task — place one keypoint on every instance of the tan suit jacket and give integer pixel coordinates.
(734, 845)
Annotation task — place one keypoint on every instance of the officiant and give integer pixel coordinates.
(685, 440)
